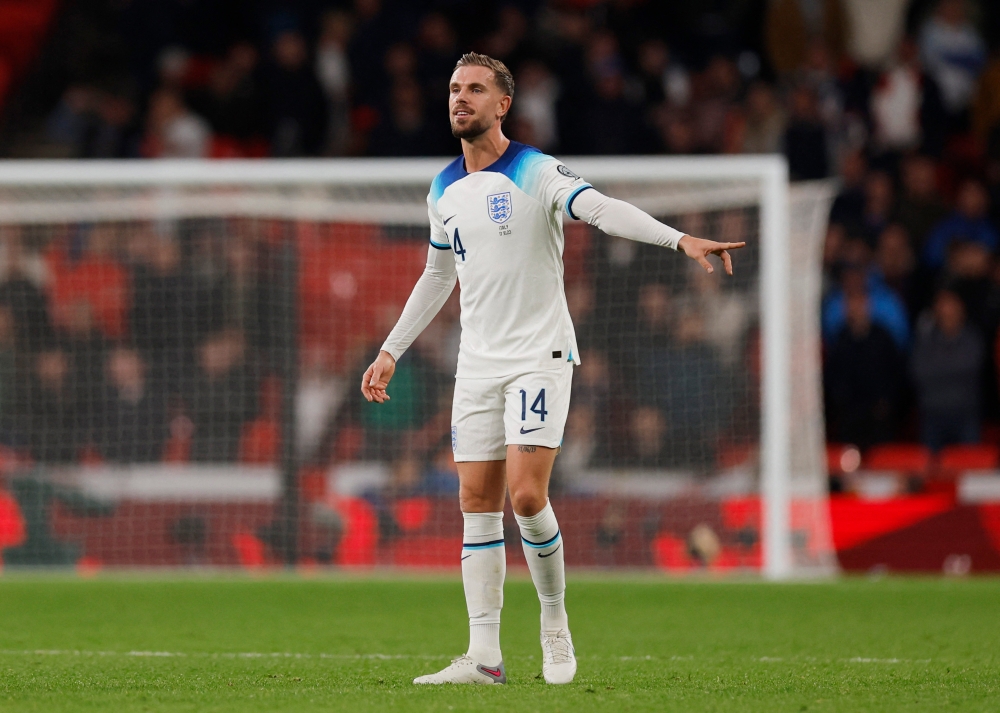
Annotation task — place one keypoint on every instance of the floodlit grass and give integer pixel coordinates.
(285, 644)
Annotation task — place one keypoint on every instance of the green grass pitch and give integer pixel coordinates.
(351, 644)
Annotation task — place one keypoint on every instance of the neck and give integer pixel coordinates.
(484, 149)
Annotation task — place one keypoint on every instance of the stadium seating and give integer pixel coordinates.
(906, 457)
(969, 457)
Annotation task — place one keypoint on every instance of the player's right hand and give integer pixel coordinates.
(377, 377)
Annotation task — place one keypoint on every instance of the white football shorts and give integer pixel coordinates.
(526, 409)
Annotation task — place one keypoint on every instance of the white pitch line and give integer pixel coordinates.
(392, 657)
(211, 655)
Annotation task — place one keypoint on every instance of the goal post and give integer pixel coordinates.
(749, 495)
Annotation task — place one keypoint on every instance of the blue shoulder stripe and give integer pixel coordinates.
(454, 171)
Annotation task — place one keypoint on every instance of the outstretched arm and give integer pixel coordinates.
(624, 220)
(429, 295)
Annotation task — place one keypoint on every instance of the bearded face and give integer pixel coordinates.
(474, 102)
(469, 126)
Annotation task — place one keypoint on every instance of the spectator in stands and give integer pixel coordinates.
(231, 101)
(969, 273)
(805, 139)
(537, 94)
(437, 53)
(405, 129)
(297, 107)
(848, 207)
(49, 414)
(896, 101)
(592, 395)
(164, 319)
(94, 123)
(509, 41)
(333, 70)
(885, 306)
(920, 206)
(663, 78)
(791, 24)
(953, 52)
(579, 450)
(223, 396)
(133, 414)
(717, 91)
(86, 349)
(946, 367)
(612, 121)
(647, 434)
(879, 205)
(876, 27)
(765, 120)
(173, 130)
(896, 264)
(676, 379)
(968, 223)
(864, 370)
(22, 278)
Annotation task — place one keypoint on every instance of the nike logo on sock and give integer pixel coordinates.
(466, 557)
(552, 552)
(446, 222)
(531, 430)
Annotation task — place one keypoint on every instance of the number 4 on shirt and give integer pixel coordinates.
(537, 407)
(457, 246)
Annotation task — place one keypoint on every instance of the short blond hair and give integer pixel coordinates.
(502, 76)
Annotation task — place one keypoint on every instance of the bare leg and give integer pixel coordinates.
(529, 469)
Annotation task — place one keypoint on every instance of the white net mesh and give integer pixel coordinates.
(180, 349)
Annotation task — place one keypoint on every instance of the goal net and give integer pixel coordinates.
(181, 346)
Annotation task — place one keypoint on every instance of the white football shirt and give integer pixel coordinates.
(499, 231)
(502, 227)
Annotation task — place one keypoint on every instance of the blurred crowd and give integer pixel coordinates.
(114, 347)
(814, 79)
(898, 99)
(167, 342)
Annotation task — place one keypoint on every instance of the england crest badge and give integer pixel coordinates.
(500, 207)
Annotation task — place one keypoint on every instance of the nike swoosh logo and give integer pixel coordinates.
(531, 430)
(552, 552)
(466, 557)
(446, 222)
(495, 672)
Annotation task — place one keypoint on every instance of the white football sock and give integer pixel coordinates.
(484, 565)
(544, 551)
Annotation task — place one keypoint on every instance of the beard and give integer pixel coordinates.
(477, 127)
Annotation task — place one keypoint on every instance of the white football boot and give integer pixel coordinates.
(465, 670)
(558, 657)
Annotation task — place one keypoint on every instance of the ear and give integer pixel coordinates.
(505, 102)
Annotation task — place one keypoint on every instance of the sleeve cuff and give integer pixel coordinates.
(572, 197)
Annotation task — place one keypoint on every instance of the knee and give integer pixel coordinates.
(478, 500)
(527, 501)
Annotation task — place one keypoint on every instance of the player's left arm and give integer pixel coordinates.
(624, 220)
